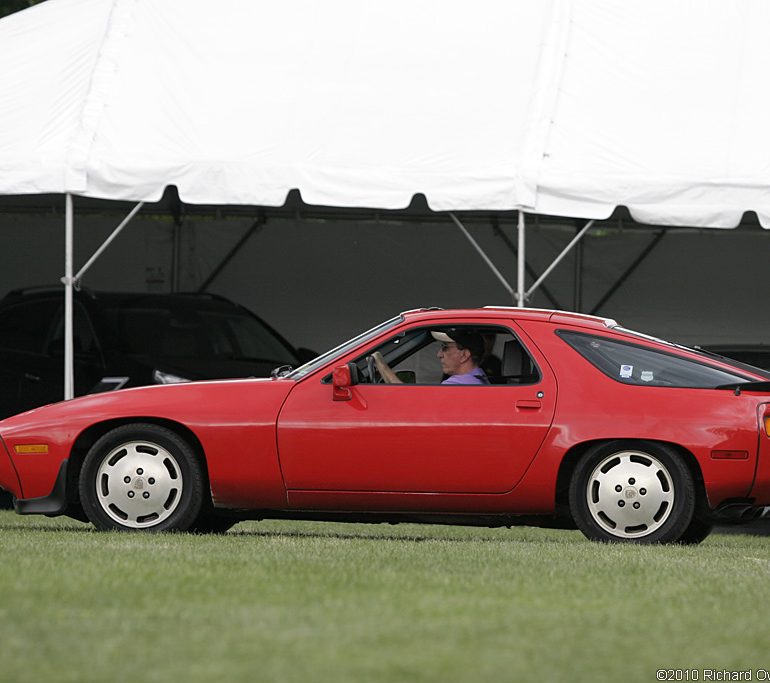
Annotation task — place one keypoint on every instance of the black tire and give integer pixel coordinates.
(631, 491)
(698, 530)
(141, 477)
(212, 524)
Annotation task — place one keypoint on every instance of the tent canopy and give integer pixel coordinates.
(552, 107)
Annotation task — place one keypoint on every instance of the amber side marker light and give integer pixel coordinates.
(729, 455)
(31, 448)
(766, 420)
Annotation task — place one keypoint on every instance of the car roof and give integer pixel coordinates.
(509, 312)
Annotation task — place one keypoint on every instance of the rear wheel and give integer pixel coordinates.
(141, 477)
(633, 492)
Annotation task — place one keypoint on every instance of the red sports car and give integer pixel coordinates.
(493, 416)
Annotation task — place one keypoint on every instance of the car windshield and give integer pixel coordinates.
(342, 349)
(201, 334)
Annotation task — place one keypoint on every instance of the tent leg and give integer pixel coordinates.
(107, 242)
(255, 227)
(577, 297)
(575, 240)
(629, 271)
(483, 255)
(530, 271)
(520, 294)
(69, 361)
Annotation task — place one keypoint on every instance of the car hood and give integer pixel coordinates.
(190, 403)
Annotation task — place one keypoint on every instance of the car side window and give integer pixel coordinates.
(83, 336)
(414, 356)
(629, 363)
(25, 326)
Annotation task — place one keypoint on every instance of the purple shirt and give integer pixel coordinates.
(475, 376)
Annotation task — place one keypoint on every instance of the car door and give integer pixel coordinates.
(414, 438)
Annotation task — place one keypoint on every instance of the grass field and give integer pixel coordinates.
(299, 601)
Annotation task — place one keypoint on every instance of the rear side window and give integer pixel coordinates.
(631, 364)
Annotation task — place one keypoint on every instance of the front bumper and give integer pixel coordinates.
(9, 478)
(52, 505)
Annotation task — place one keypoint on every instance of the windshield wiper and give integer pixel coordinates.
(737, 387)
(706, 352)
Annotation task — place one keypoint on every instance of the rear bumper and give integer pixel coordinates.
(760, 490)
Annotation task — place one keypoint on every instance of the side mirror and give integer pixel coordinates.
(344, 377)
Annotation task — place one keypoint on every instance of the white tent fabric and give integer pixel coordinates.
(662, 108)
(355, 104)
(550, 106)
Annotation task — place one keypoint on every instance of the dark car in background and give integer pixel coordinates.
(129, 339)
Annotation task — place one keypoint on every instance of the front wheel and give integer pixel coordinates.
(698, 530)
(141, 477)
(633, 492)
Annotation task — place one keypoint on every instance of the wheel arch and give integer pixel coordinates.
(573, 455)
(89, 436)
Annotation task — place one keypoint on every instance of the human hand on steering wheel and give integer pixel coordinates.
(377, 364)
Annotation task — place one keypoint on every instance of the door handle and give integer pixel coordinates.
(30, 377)
(528, 405)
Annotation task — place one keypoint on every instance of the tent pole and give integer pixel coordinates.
(483, 255)
(559, 258)
(69, 362)
(577, 297)
(520, 294)
(530, 271)
(108, 241)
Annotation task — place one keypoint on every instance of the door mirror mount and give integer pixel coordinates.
(344, 377)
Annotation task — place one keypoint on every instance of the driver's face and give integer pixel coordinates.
(451, 358)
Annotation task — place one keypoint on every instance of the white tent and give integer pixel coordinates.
(545, 106)
(555, 107)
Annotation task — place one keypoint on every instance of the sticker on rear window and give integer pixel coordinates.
(647, 376)
(626, 371)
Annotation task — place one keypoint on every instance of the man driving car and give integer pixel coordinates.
(460, 355)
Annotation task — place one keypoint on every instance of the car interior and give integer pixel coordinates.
(413, 355)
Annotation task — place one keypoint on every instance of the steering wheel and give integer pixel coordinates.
(371, 368)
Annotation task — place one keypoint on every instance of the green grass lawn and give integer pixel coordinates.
(299, 601)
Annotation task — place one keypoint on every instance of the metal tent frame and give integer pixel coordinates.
(520, 295)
